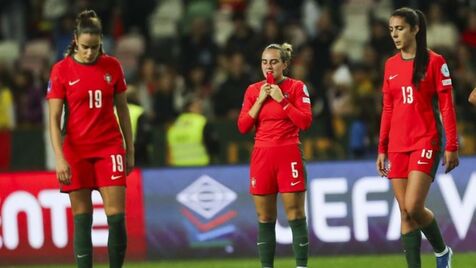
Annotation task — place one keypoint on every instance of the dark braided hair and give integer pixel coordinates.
(87, 22)
(414, 18)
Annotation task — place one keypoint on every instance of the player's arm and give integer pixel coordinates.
(448, 114)
(250, 109)
(385, 121)
(120, 100)
(472, 97)
(63, 172)
(300, 111)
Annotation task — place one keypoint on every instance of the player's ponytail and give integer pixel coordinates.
(420, 64)
(416, 18)
(88, 22)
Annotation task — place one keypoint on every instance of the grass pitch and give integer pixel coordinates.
(460, 260)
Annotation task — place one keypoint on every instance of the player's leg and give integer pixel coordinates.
(114, 205)
(292, 186)
(111, 181)
(411, 235)
(267, 212)
(423, 166)
(81, 207)
(419, 184)
(294, 207)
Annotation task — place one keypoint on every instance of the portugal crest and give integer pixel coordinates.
(107, 78)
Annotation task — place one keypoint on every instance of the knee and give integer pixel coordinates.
(264, 217)
(295, 213)
(405, 216)
(413, 212)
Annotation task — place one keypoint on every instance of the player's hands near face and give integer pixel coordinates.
(380, 165)
(263, 93)
(130, 162)
(63, 171)
(450, 161)
(275, 93)
(472, 97)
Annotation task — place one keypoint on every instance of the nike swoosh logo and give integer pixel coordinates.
(392, 76)
(295, 183)
(71, 83)
(81, 256)
(303, 244)
(115, 177)
(260, 243)
(422, 163)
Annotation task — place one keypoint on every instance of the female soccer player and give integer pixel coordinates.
(278, 111)
(88, 83)
(410, 133)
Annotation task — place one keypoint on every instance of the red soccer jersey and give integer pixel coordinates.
(88, 91)
(277, 124)
(410, 118)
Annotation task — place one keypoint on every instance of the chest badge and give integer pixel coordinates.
(108, 78)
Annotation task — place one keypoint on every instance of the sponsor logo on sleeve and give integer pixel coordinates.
(444, 70)
(446, 82)
(306, 92)
(306, 100)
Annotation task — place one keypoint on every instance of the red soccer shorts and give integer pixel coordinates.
(277, 169)
(96, 172)
(401, 163)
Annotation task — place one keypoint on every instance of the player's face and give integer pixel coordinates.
(401, 32)
(271, 62)
(88, 47)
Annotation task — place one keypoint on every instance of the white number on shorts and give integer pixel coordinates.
(294, 171)
(95, 98)
(426, 153)
(117, 163)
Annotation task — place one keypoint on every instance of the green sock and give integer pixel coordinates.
(83, 246)
(433, 234)
(266, 243)
(300, 241)
(117, 240)
(411, 245)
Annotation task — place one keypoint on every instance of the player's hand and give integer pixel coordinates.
(130, 162)
(472, 97)
(263, 93)
(63, 171)
(450, 160)
(381, 165)
(275, 93)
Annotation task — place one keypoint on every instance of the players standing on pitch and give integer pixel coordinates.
(410, 134)
(91, 155)
(278, 111)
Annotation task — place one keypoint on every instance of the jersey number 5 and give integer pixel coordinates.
(95, 98)
(407, 94)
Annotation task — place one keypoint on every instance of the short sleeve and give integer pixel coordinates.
(56, 88)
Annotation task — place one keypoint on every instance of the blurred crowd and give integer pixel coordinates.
(172, 50)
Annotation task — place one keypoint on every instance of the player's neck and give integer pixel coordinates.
(408, 53)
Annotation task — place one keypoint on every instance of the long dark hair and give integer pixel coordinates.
(87, 21)
(415, 17)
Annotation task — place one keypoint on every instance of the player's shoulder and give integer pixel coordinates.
(435, 57)
(396, 58)
(109, 60)
(61, 64)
